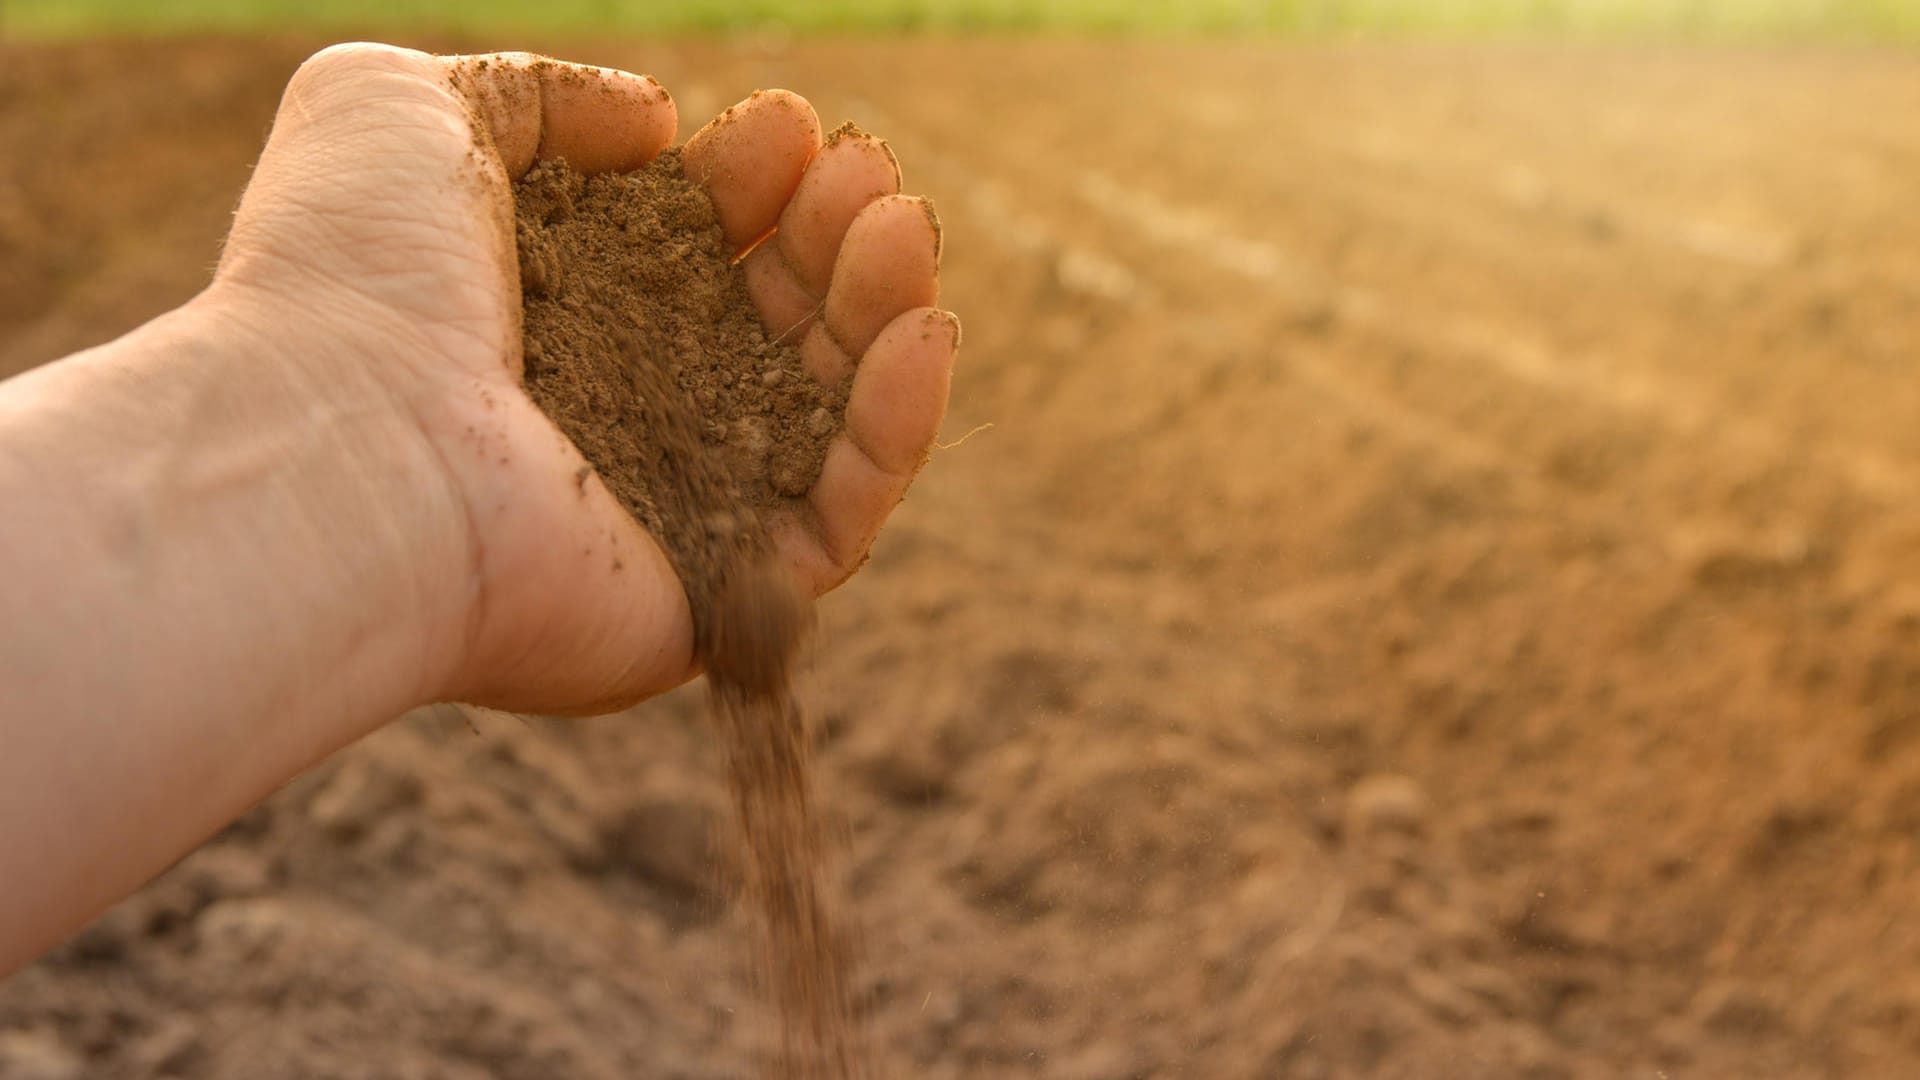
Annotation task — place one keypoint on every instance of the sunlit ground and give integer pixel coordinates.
(1437, 597)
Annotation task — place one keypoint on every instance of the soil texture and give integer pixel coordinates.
(1440, 598)
(643, 346)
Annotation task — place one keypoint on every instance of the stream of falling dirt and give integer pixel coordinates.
(804, 951)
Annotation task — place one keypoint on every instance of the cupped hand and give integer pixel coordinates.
(377, 237)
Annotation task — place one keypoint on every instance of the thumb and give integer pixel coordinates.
(536, 108)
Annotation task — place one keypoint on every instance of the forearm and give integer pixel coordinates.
(196, 605)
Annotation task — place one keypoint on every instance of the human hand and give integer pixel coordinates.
(376, 238)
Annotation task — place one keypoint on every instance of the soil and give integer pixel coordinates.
(1440, 598)
(641, 343)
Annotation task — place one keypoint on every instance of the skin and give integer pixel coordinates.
(262, 525)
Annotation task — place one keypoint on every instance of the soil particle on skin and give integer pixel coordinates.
(642, 345)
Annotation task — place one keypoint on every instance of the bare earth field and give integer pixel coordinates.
(1440, 598)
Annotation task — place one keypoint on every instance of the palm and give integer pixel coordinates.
(577, 608)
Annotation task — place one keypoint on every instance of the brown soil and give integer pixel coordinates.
(643, 346)
(1441, 598)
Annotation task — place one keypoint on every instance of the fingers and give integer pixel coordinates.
(750, 159)
(535, 108)
(888, 263)
(850, 172)
(788, 276)
(893, 412)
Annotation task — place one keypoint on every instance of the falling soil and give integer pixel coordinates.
(643, 346)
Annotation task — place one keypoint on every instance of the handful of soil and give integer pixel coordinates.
(642, 345)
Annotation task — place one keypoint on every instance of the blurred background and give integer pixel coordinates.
(1714, 19)
(1440, 596)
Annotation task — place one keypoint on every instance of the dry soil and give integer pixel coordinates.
(641, 343)
(1441, 598)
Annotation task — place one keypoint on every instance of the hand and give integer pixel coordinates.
(377, 237)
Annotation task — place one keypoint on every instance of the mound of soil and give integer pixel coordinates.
(642, 345)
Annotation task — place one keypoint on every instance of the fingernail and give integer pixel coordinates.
(949, 321)
(933, 220)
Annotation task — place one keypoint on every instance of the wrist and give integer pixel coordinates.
(333, 502)
(230, 559)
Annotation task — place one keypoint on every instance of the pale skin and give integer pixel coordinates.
(266, 523)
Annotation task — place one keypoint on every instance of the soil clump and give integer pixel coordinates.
(643, 346)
